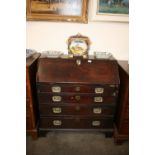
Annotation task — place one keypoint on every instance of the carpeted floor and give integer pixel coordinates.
(75, 143)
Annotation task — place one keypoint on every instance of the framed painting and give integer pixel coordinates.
(57, 10)
(110, 10)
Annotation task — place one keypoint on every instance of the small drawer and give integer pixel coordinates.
(68, 88)
(75, 109)
(74, 98)
(76, 122)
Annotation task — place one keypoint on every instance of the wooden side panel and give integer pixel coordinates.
(31, 98)
(122, 115)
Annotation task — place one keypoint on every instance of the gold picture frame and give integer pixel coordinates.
(57, 10)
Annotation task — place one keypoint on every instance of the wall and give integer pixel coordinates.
(105, 36)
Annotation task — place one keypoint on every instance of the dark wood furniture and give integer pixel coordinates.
(77, 94)
(31, 103)
(121, 132)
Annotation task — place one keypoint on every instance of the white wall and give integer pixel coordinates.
(110, 37)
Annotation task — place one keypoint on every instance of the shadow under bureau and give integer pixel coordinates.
(77, 94)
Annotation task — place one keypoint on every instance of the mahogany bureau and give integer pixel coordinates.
(31, 96)
(77, 94)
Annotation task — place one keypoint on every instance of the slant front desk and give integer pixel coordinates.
(77, 94)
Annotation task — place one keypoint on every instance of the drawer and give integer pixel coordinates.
(75, 98)
(78, 88)
(76, 109)
(76, 122)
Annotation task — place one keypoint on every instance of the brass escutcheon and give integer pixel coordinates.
(77, 97)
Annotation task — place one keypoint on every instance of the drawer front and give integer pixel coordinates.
(78, 88)
(79, 98)
(76, 109)
(76, 122)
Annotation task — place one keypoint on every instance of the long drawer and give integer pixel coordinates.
(75, 109)
(80, 88)
(76, 122)
(75, 98)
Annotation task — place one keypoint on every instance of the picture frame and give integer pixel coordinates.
(78, 45)
(57, 10)
(95, 15)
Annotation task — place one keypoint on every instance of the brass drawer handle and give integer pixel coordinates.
(77, 88)
(98, 99)
(56, 110)
(96, 123)
(56, 98)
(77, 98)
(57, 122)
(97, 110)
(56, 89)
(99, 90)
